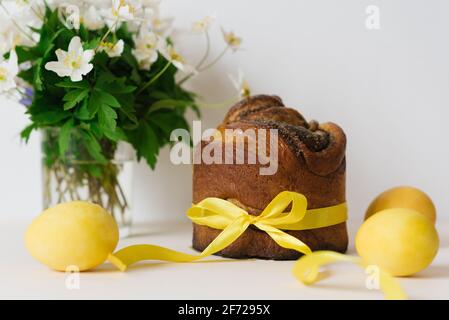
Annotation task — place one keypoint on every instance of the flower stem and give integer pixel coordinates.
(187, 77)
(107, 34)
(152, 80)
(206, 55)
(215, 60)
(37, 13)
(223, 104)
(211, 64)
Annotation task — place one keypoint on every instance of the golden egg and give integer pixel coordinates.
(79, 235)
(403, 197)
(401, 241)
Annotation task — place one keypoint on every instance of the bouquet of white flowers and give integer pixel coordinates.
(93, 74)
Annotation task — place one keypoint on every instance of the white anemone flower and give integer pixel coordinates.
(142, 21)
(10, 37)
(203, 25)
(6, 42)
(15, 27)
(146, 51)
(21, 5)
(8, 71)
(160, 25)
(28, 13)
(176, 59)
(241, 85)
(124, 10)
(232, 40)
(73, 63)
(91, 19)
(112, 49)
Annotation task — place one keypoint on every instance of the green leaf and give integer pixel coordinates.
(169, 104)
(25, 54)
(129, 113)
(84, 33)
(145, 142)
(34, 29)
(119, 86)
(73, 97)
(48, 50)
(46, 43)
(95, 129)
(27, 75)
(37, 81)
(115, 135)
(123, 89)
(168, 121)
(52, 17)
(92, 44)
(73, 85)
(25, 134)
(93, 147)
(64, 137)
(74, 94)
(159, 95)
(125, 34)
(130, 58)
(135, 76)
(93, 105)
(104, 79)
(107, 118)
(128, 106)
(49, 117)
(83, 112)
(108, 99)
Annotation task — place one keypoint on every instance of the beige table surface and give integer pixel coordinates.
(22, 277)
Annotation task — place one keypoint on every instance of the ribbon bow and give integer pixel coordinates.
(233, 221)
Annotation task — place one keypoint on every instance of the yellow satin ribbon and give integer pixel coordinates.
(233, 221)
(307, 267)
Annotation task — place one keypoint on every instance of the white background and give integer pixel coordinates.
(387, 88)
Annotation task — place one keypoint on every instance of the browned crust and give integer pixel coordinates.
(311, 163)
(251, 105)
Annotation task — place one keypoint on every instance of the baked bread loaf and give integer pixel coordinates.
(311, 161)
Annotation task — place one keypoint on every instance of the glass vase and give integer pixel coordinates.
(77, 177)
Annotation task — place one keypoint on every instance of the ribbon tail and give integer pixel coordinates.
(132, 254)
(284, 239)
(231, 233)
(391, 287)
(127, 256)
(306, 270)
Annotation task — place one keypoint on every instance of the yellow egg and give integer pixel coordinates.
(403, 197)
(75, 234)
(402, 241)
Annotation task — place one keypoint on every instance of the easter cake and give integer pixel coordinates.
(311, 161)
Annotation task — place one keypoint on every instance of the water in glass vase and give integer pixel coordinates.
(76, 176)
